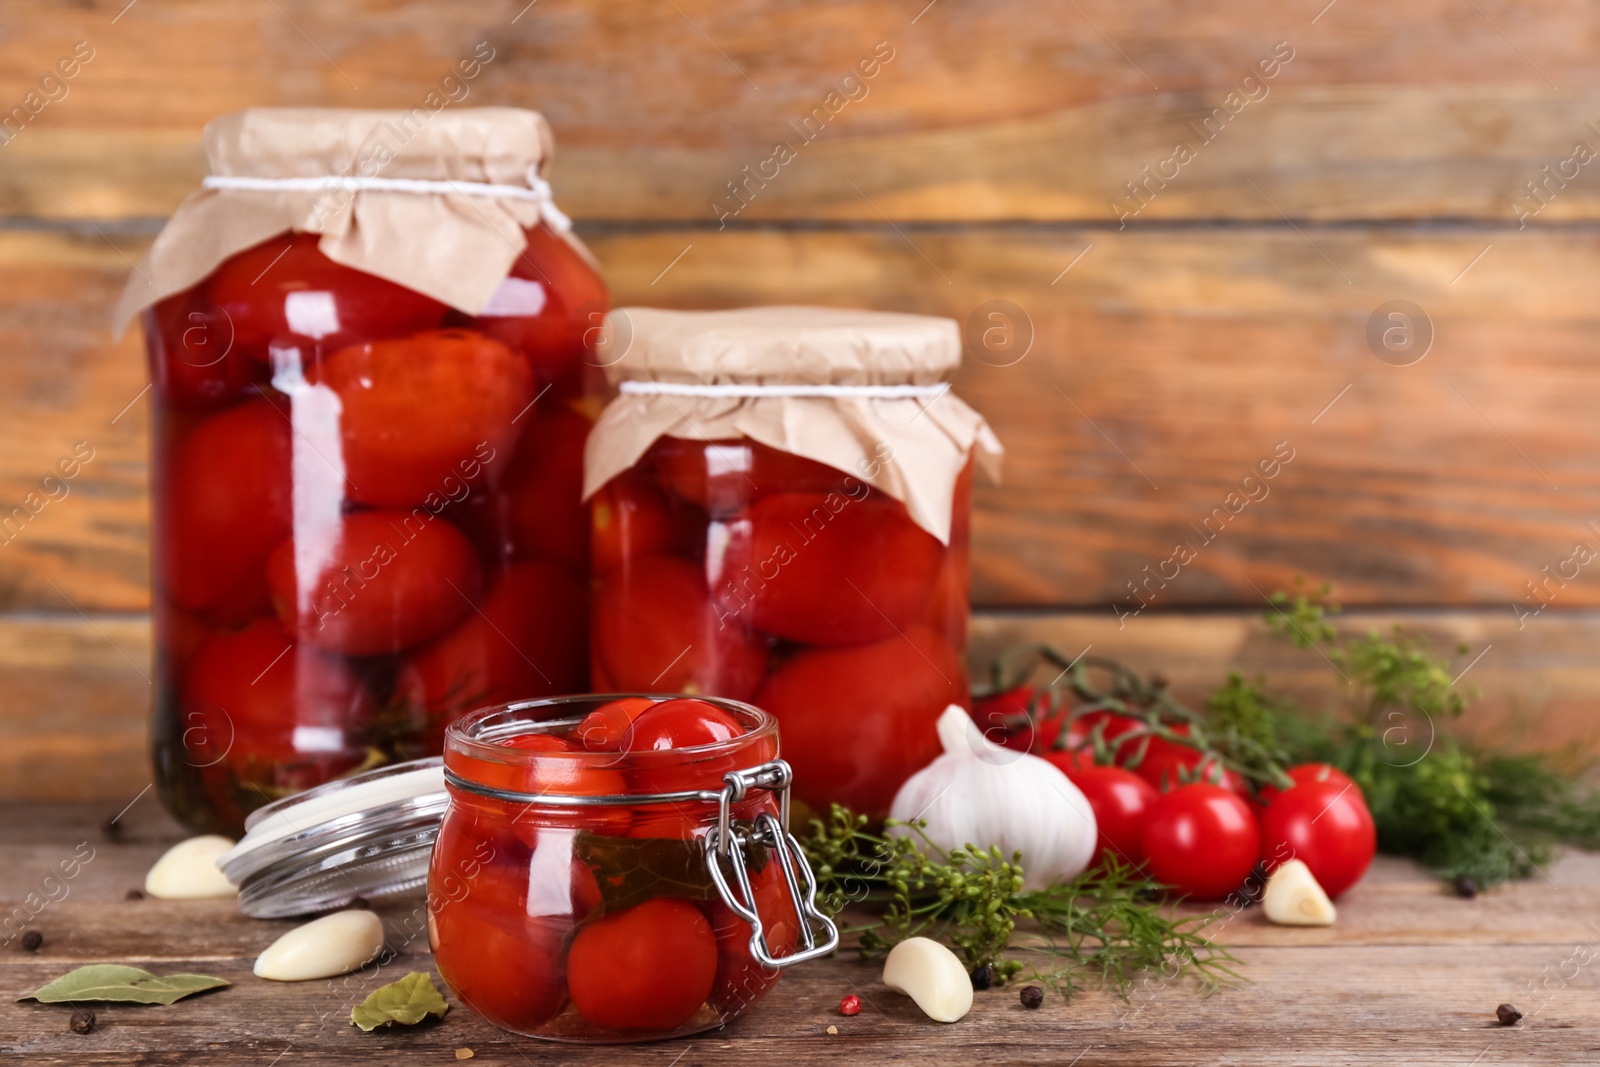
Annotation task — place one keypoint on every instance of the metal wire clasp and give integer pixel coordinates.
(728, 842)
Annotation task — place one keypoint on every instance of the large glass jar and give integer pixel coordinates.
(605, 896)
(366, 512)
(795, 577)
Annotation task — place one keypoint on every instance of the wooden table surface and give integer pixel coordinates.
(1409, 975)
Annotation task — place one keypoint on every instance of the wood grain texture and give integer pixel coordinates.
(76, 694)
(1164, 367)
(1408, 976)
(995, 111)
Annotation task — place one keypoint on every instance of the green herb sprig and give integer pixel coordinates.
(1460, 811)
(1104, 927)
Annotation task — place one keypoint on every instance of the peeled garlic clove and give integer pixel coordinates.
(188, 871)
(322, 948)
(1293, 897)
(931, 975)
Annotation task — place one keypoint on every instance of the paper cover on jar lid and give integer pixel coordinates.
(427, 238)
(364, 836)
(861, 391)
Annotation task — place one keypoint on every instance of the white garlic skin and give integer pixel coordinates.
(931, 975)
(982, 794)
(188, 871)
(332, 945)
(1294, 897)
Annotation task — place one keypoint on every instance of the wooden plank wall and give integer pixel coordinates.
(1164, 343)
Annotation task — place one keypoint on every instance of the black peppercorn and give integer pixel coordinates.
(82, 1021)
(135, 894)
(1032, 996)
(982, 977)
(1466, 888)
(32, 940)
(1508, 1015)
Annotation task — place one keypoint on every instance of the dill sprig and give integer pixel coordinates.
(1105, 926)
(1458, 810)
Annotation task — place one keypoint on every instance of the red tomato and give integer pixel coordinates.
(610, 726)
(723, 476)
(501, 963)
(1121, 801)
(286, 292)
(191, 364)
(557, 768)
(1168, 764)
(550, 309)
(857, 722)
(679, 724)
(647, 968)
(740, 979)
(274, 713)
(657, 630)
(425, 416)
(1007, 718)
(629, 517)
(682, 723)
(1303, 774)
(548, 519)
(827, 569)
(382, 581)
(1114, 726)
(223, 505)
(1201, 840)
(950, 606)
(527, 639)
(1327, 825)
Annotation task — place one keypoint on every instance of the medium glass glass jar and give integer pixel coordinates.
(734, 568)
(780, 509)
(605, 896)
(367, 514)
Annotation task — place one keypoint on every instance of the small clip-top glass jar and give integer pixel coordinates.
(636, 892)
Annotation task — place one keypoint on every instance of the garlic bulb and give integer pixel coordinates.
(979, 793)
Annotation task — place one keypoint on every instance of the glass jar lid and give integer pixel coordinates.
(370, 835)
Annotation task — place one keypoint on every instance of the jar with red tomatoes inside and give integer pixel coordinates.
(369, 340)
(780, 503)
(618, 869)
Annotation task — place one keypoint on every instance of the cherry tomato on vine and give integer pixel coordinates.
(1304, 774)
(1202, 840)
(647, 968)
(1169, 764)
(1121, 801)
(1326, 824)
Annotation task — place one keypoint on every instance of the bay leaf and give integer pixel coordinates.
(124, 985)
(406, 1002)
